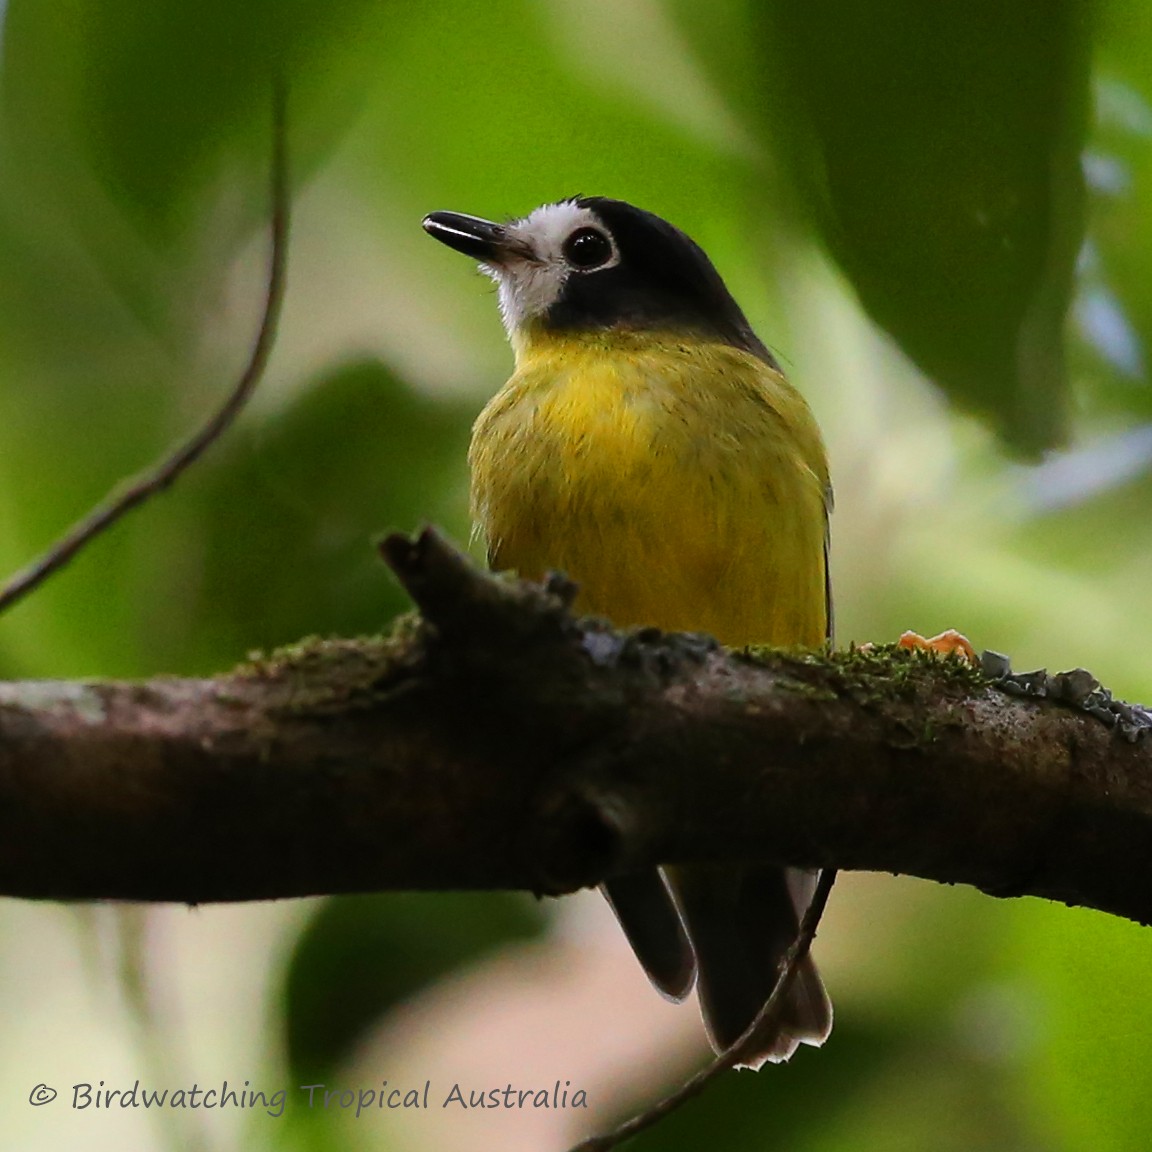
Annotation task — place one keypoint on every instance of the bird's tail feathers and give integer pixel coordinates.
(741, 921)
(652, 924)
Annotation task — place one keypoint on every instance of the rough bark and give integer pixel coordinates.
(497, 742)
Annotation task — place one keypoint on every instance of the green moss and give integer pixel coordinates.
(873, 675)
(322, 674)
(807, 689)
(767, 655)
(907, 667)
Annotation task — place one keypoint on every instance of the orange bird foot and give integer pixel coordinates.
(950, 643)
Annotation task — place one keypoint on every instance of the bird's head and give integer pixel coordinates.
(592, 263)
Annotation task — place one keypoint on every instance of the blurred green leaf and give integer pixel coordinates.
(937, 150)
(171, 90)
(283, 542)
(359, 956)
(1087, 1080)
(1115, 303)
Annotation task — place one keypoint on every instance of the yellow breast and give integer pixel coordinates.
(681, 484)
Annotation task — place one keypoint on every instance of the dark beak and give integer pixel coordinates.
(480, 239)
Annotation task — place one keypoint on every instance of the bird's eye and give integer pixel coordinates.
(587, 248)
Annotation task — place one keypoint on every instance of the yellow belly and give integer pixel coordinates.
(682, 485)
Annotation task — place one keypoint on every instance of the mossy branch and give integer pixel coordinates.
(495, 741)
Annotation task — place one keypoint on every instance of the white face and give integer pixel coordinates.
(530, 285)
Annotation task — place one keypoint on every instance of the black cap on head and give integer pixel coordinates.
(662, 280)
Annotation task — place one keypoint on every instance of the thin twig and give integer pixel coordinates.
(765, 1019)
(135, 491)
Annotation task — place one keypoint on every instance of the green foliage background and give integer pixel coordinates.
(938, 214)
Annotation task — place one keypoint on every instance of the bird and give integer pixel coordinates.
(650, 447)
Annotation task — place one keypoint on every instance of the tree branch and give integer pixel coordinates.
(496, 742)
